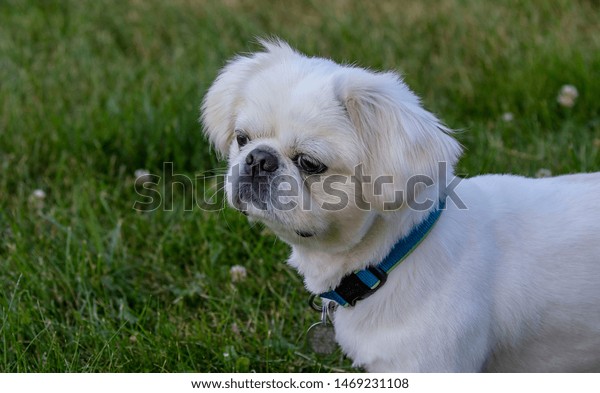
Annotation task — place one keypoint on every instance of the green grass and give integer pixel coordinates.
(91, 91)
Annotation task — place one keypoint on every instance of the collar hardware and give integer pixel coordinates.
(361, 284)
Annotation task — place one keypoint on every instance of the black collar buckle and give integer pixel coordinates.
(353, 289)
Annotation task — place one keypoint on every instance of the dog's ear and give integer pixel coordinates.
(220, 102)
(400, 138)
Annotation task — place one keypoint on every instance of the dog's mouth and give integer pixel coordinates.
(256, 201)
(304, 234)
(276, 225)
(264, 214)
(248, 195)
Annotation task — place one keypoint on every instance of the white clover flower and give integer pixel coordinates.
(567, 96)
(38, 194)
(238, 273)
(141, 175)
(543, 172)
(508, 117)
(36, 199)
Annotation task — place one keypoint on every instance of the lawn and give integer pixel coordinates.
(93, 91)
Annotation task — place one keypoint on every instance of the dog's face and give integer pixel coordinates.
(308, 139)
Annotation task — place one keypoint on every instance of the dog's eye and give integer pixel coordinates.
(242, 139)
(309, 164)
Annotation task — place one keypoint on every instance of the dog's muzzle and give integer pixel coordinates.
(255, 179)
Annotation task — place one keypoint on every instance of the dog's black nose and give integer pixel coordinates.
(261, 160)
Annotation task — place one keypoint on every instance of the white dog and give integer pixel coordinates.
(496, 273)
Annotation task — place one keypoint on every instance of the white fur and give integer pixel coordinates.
(512, 283)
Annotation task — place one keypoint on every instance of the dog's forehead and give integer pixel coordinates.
(291, 91)
(294, 105)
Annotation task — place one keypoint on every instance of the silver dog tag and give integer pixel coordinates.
(321, 335)
(321, 338)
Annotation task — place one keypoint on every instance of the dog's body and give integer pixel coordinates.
(509, 283)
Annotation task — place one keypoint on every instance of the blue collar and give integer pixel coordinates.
(363, 283)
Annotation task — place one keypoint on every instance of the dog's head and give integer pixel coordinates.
(317, 150)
